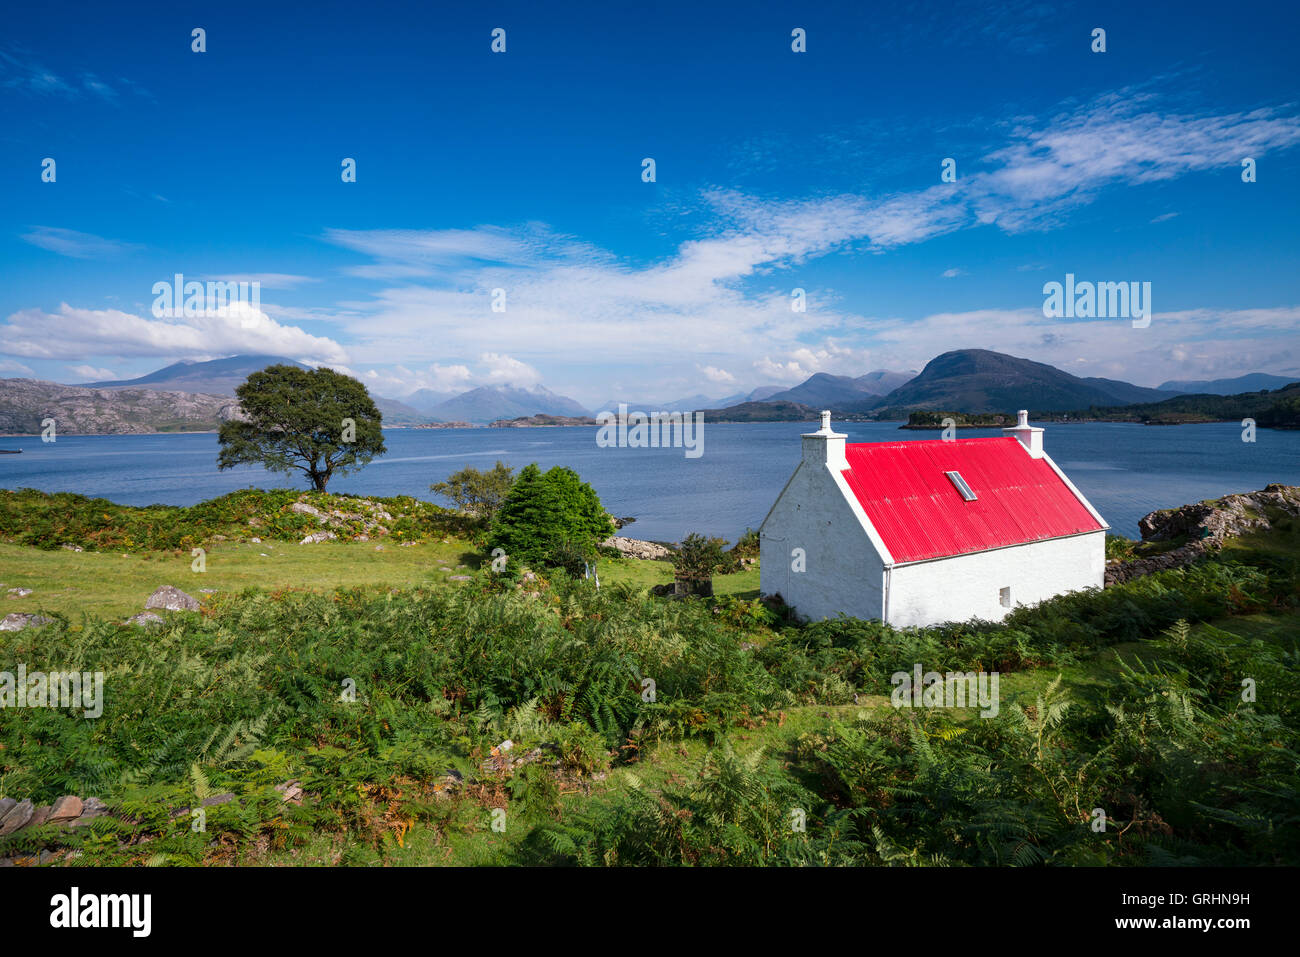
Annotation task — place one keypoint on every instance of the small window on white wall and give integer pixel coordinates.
(1004, 597)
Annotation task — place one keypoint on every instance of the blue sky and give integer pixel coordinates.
(775, 170)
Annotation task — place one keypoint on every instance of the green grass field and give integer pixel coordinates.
(116, 584)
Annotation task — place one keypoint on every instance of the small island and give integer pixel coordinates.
(541, 421)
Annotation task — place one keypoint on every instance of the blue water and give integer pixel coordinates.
(1125, 470)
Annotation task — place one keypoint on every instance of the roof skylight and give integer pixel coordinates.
(960, 483)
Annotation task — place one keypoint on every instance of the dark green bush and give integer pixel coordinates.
(552, 513)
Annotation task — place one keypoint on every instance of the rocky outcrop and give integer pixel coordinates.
(145, 619)
(17, 817)
(635, 548)
(26, 403)
(367, 518)
(169, 598)
(21, 620)
(1204, 526)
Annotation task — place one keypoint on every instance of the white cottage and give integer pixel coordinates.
(916, 533)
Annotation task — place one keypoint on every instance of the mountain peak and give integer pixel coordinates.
(980, 380)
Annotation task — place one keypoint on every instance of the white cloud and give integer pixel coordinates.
(76, 333)
(506, 370)
(714, 374)
(91, 374)
(1189, 344)
(953, 273)
(13, 367)
(723, 298)
(720, 300)
(805, 361)
(493, 369)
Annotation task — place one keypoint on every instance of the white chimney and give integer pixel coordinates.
(825, 447)
(1029, 436)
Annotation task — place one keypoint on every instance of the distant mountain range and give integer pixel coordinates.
(222, 376)
(692, 402)
(200, 395)
(214, 377)
(426, 399)
(1252, 382)
(964, 380)
(491, 403)
(840, 391)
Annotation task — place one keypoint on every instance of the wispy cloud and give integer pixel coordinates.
(717, 308)
(21, 73)
(267, 280)
(723, 297)
(77, 245)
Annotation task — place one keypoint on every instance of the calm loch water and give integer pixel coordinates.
(1125, 470)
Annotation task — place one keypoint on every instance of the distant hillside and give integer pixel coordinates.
(223, 376)
(398, 413)
(826, 391)
(426, 399)
(687, 404)
(491, 403)
(766, 411)
(1279, 409)
(214, 377)
(1252, 382)
(80, 410)
(884, 381)
(979, 380)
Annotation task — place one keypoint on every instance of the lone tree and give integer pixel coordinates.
(315, 420)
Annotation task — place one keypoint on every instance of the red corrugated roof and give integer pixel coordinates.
(919, 513)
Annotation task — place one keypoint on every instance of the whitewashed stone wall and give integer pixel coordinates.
(968, 586)
(844, 572)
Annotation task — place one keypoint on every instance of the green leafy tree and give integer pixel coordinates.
(317, 421)
(549, 513)
(477, 492)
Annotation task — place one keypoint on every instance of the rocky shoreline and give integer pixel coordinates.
(636, 548)
(1205, 526)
